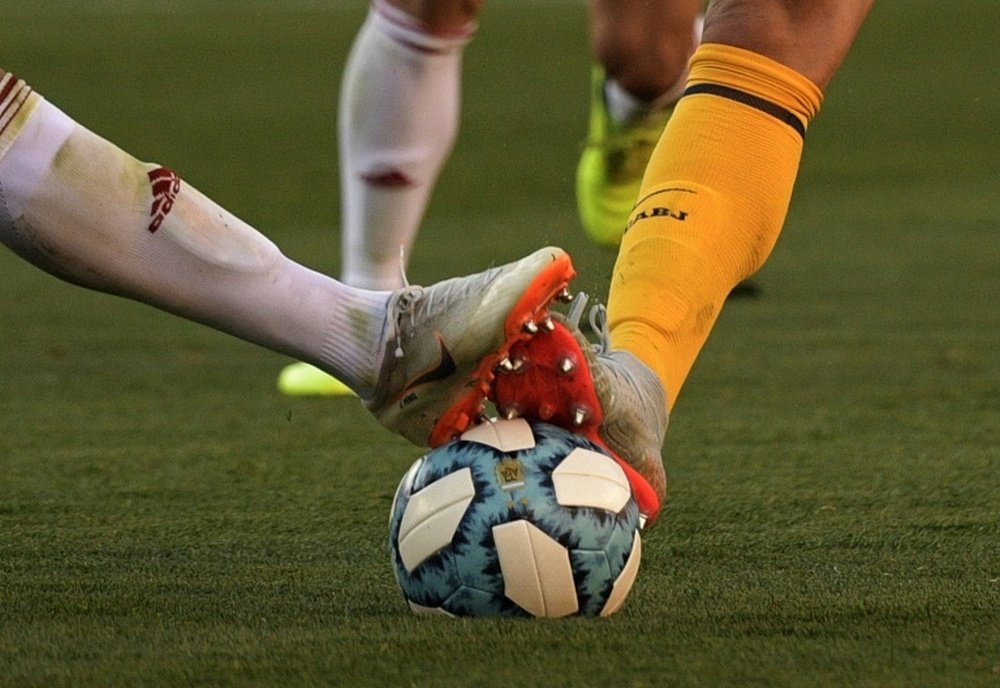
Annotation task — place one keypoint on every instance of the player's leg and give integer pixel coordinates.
(718, 186)
(810, 37)
(79, 207)
(640, 51)
(713, 200)
(399, 115)
(643, 47)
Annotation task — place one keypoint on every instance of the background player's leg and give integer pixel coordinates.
(400, 102)
(399, 115)
(640, 52)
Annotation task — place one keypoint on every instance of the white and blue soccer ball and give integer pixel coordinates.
(515, 519)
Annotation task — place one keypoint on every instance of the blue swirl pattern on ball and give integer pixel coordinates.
(464, 577)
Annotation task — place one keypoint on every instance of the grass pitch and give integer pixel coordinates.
(167, 519)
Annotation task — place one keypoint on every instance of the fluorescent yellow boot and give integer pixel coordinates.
(611, 166)
(304, 380)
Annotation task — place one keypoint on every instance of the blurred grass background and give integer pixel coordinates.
(166, 518)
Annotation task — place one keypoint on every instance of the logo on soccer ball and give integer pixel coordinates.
(510, 473)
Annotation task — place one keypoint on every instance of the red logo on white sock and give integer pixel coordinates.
(166, 185)
(392, 178)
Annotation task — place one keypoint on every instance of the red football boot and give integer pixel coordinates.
(610, 397)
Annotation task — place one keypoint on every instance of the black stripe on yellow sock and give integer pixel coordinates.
(753, 101)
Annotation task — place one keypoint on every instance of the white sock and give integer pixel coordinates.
(86, 211)
(399, 113)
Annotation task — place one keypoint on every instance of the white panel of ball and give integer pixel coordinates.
(433, 515)
(623, 584)
(588, 479)
(507, 436)
(536, 570)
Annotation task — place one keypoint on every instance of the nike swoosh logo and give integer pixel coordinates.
(444, 369)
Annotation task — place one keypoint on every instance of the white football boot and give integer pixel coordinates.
(445, 341)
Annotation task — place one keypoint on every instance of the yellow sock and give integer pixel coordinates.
(713, 200)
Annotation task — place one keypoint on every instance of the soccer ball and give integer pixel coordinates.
(515, 519)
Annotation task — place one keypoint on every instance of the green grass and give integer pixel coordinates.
(167, 519)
